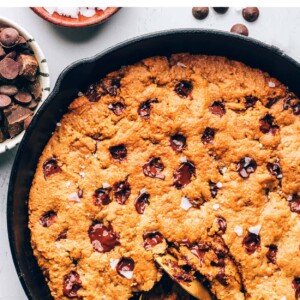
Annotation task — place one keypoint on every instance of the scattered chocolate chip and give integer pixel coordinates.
(112, 86)
(141, 202)
(144, 109)
(200, 13)
(27, 122)
(118, 152)
(117, 108)
(48, 218)
(222, 224)
(217, 108)
(101, 196)
(221, 277)
(213, 189)
(267, 124)
(197, 202)
(296, 286)
(272, 101)
(250, 101)
(221, 10)
(80, 193)
(9, 37)
(8, 90)
(62, 235)
(2, 52)
(240, 29)
(250, 14)
(4, 101)
(184, 88)
(122, 191)
(35, 90)
(251, 242)
(51, 167)
(178, 142)
(246, 166)
(295, 204)
(23, 97)
(151, 239)
(124, 266)
(102, 237)
(292, 102)
(275, 169)
(32, 105)
(183, 175)
(72, 284)
(153, 168)
(93, 93)
(271, 254)
(208, 136)
(28, 66)
(9, 69)
(199, 250)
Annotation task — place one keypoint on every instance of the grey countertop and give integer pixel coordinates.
(61, 46)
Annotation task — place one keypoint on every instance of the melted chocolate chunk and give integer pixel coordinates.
(101, 196)
(92, 93)
(72, 284)
(295, 204)
(153, 168)
(217, 108)
(246, 166)
(222, 224)
(62, 235)
(199, 250)
(272, 101)
(141, 202)
(292, 102)
(80, 193)
(250, 101)
(275, 169)
(213, 189)
(102, 237)
(183, 175)
(122, 191)
(184, 88)
(221, 277)
(208, 136)
(117, 108)
(51, 167)
(48, 218)
(178, 142)
(271, 254)
(125, 265)
(296, 286)
(197, 202)
(266, 124)
(251, 242)
(144, 109)
(112, 86)
(151, 239)
(118, 152)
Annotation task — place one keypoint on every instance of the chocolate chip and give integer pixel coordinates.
(144, 109)
(251, 242)
(250, 101)
(222, 224)
(141, 202)
(153, 168)
(50, 167)
(151, 239)
(125, 265)
(4, 101)
(250, 14)
(48, 218)
(296, 286)
(266, 124)
(197, 202)
(271, 254)
(80, 193)
(183, 175)
(184, 88)
(102, 237)
(275, 169)
(200, 13)
(199, 251)
(72, 284)
(240, 29)
(292, 102)
(221, 277)
(28, 66)
(208, 136)
(246, 166)
(35, 90)
(23, 97)
(217, 108)
(221, 10)
(32, 105)
(122, 191)
(101, 196)
(178, 142)
(272, 101)
(93, 93)
(62, 235)
(213, 189)
(295, 204)
(9, 37)
(112, 86)
(9, 69)
(118, 152)
(2, 52)
(117, 108)
(8, 90)
(27, 122)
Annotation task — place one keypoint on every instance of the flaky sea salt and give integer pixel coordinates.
(113, 263)
(58, 124)
(185, 203)
(68, 184)
(238, 230)
(224, 170)
(255, 229)
(289, 198)
(181, 65)
(216, 206)
(80, 94)
(271, 84)
(143, 191)
(74, 197)
(219, 185)
(86, 156)
(82, 174)
(283, 298)
(261, 145)
(110, 106)
(127, 274)
(183, 159)
(105, 185)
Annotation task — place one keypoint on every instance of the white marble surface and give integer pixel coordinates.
(280, 27)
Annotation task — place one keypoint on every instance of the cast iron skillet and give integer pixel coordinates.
(77, 77)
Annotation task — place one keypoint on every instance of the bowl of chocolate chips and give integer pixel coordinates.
(24, 82)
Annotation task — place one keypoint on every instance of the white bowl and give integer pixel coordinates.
(44, 78)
